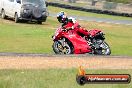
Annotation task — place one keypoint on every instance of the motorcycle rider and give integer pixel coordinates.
(71, 23)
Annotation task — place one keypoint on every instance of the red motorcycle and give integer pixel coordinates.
(70, 42)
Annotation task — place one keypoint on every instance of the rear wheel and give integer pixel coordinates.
(60, 47)
(104, 49)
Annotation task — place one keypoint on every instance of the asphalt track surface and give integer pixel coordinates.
(46, 61)
(54, 55)
(105, 20)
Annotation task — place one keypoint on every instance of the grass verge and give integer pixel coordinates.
(53, 78)
(33, 38)
(87, 14)
(26, 38)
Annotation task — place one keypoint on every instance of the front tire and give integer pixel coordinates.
(60, 48)
(3, 16)
(16, 18)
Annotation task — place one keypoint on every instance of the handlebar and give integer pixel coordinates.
(66, 29)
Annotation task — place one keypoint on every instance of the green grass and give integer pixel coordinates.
(33, 38)
(87, 14)
(53, 78)
(27, 38)
(121, 1)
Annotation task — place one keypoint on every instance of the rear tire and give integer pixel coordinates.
(104, 50)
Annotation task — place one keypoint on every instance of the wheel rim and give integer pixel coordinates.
(66, 49)
(105, 48)
(59, 47)
(62, 49)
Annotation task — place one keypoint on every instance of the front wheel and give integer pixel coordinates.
(60, 47)
(104, 49)
(16, 18)
(3, 16)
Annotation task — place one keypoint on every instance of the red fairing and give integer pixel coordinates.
(69, 24)
(94, 32)
(80, 44)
